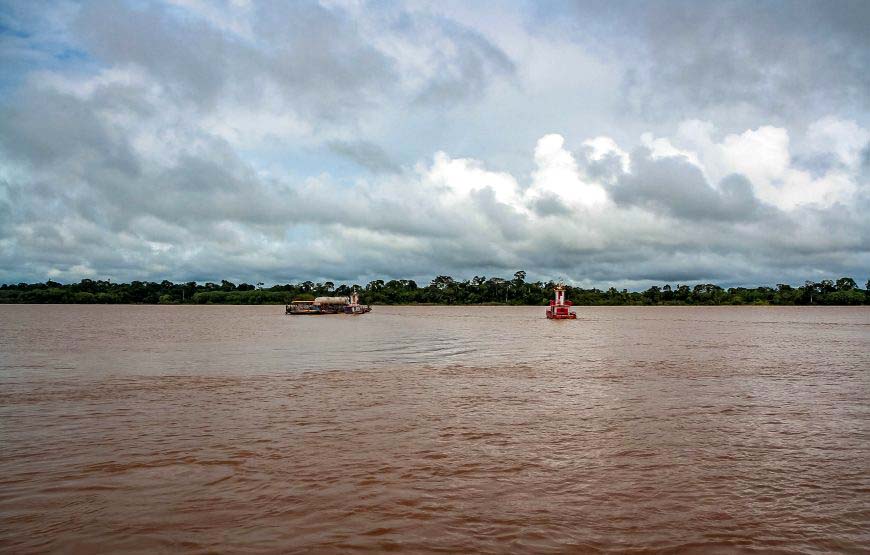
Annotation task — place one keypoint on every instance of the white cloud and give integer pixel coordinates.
(760, 154)
(603, 147)
(663, 148)
(843, 138)
(458, 177)
(557, 174)
(764, 156)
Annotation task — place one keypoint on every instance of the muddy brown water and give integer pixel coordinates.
(232, 429)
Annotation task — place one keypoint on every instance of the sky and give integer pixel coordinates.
(602, 143)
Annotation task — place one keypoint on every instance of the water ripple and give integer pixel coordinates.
(431, 430)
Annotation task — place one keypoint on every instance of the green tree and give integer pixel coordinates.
(653, 295)
(683, 293)
(846, 284)
(442, 282)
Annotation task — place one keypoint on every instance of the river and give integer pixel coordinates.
(237, 429)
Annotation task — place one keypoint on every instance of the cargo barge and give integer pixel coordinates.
(327, 305)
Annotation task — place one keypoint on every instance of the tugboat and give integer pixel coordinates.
(559, 308)
(354, 307)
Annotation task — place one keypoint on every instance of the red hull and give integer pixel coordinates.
(561, 314)
(571, 316)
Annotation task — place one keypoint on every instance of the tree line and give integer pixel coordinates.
(441, 290)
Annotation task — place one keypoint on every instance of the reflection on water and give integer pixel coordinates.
(238, 429)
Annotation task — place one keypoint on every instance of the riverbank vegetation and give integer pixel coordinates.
(441, 290)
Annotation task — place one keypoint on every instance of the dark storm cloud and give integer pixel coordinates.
(466, 70)
(550, 205)
(315, 58)
(320, 56)
(44, 127)
(781, 56)
(181, 54)
(736, 52)
(508, 224)
(677, 188)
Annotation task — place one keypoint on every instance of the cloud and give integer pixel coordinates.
(557, 175)
(842, 139)
(366, 154)
(764, 156)
(461, 65)
(295, 54)
(202, 141)
(453, 180)
(677, 188)
(737, 58)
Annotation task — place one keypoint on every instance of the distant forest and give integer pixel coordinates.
(441, 290)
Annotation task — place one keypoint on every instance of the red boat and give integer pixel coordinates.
(559, 308)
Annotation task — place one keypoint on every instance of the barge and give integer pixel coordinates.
(327, 305)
